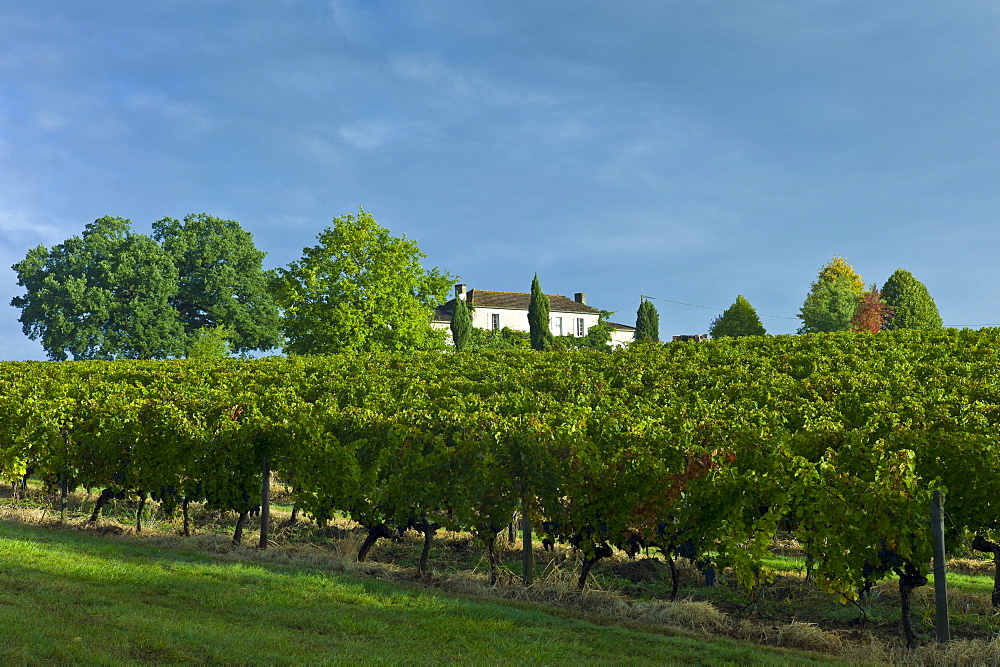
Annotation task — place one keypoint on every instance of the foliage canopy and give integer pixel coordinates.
(647, 322)
(872, 312)
(839, 267)
(833, 297)
(221, 280)
(114, 294)
(911, 303)
(740, 319)
(461, 325)
(830, 306)
(538, 318)
(102, 295)
(360, 288)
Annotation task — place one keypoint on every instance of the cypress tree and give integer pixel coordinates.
(538, 318)
(647, 322)
(461, 325)
(740, 319)
(911, 303)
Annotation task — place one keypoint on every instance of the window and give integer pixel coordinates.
(557, 326)
(580, 331)
(495, 321)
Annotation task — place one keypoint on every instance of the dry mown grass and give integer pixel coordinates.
(957, 652)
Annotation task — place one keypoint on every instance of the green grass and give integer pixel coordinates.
(71, 597)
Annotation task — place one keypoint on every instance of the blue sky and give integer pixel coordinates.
(689, 151)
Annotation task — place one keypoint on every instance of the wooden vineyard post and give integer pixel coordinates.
(528, 557)
(265, 502)
(941, 627)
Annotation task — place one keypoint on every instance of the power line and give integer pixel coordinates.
(615, 310)
(694, 305)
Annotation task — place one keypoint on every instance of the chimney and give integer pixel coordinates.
(580, 297)
(460, 291)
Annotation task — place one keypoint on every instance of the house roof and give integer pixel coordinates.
(621, 327)
(478, 298)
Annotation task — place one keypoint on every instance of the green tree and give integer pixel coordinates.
(647, 322)
(911, 303)
(829, 307)
(221, 280)
(838, 267)
(740, 319)
(461, 325)
(103, 295)
(598, 337)
(538, 318)
(360, 288)
(822, 309)
(210, 343)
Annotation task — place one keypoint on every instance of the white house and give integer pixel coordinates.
(496, 310)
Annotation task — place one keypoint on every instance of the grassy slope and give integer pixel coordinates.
(70, 597)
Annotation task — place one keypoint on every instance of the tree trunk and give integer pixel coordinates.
(107, 495)
(187, 518)
(865, 591)
(512, 533)
(138, 512)
(295, 515)
(908, 580)
(238, 533)
(62, 500)
(527, 552)
(429, 530)
(375, 532)
(600, 551)
(28, 472)
(265, 502)
(584, 571)
(491, 543)
(673, 576)
(980, 543)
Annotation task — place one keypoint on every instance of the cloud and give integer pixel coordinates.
(183, 115)
(367, 135)
(18, 230)
(449, 84)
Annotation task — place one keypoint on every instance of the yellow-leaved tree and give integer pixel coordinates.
(836, 268)
(833, 298)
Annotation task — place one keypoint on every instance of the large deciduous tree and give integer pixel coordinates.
(360, 288)
(647, 322)
(740, 319)
(539, 325)
(102, 295)
(221, 281)
(911, 303)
